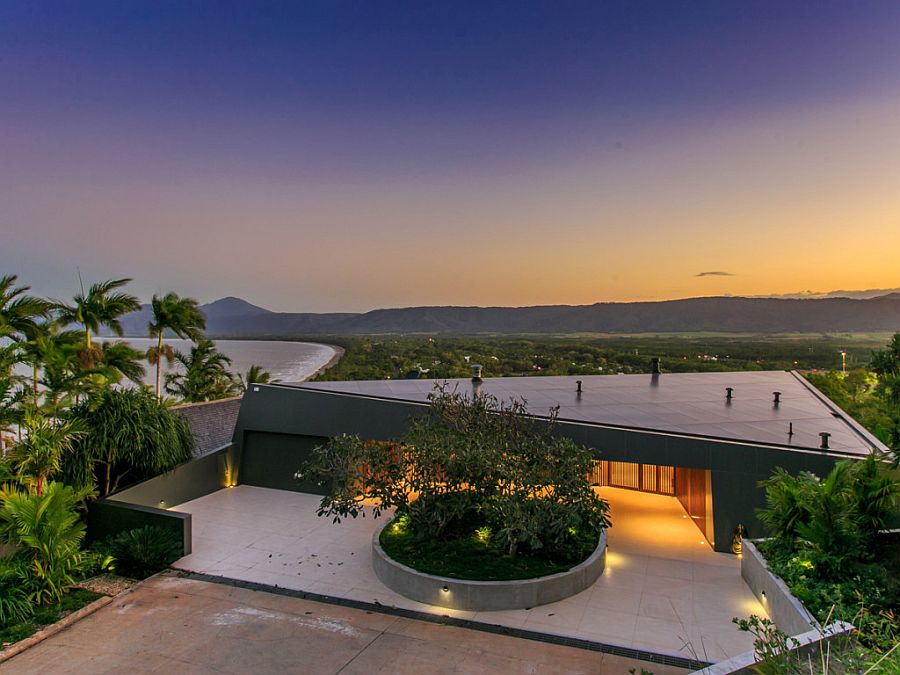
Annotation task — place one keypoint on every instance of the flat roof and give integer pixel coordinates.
(681, 403)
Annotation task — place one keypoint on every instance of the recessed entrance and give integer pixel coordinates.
(692, 487)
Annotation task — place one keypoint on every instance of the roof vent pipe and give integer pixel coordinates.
(578, 386)
(654, 365)
(777, 395)
(824, 435)
(729, 391)
(476, 372)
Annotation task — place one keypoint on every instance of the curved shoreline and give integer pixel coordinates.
(335, 357)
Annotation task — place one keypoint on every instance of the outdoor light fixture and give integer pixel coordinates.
(446, 589)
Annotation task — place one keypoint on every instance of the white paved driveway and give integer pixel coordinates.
(664, 590)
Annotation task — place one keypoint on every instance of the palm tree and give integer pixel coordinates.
(39, 455)
(18, 311)
(100, 306)
(254, 375)
(205, 375)
(180, 315)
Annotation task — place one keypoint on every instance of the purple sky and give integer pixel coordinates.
(352, 155)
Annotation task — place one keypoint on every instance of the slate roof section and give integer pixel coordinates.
(692, 404)
(212, 423)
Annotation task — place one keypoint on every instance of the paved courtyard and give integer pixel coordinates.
(172, 625)
(664, 590)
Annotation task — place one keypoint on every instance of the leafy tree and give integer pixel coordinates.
(254, 375)
(181, 316)
(49, 529)
(101, 305)
(205, 377)
(127, 432)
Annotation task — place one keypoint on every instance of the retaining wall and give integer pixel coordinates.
(481, 596)
(783, 608)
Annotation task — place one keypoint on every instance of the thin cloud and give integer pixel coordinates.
(715, 274)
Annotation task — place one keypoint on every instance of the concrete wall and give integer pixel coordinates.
(482, 596)
(107, 518)
(146, 503)
(736, 468)
(783, 608)
(188, 481)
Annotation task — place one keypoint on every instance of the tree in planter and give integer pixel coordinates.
(467, 457)
(127, 432)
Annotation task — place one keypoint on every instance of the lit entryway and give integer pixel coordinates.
(664, 590)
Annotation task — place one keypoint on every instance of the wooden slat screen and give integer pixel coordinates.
(643, 477)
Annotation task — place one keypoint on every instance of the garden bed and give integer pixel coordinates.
(473, 558)
(45, 615)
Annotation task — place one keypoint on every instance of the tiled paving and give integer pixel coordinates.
(172, 625)
(664, 589)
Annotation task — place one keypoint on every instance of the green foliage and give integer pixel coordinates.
(181, 316)
(44, 615)
(440, 357)
(144, 551)
(205, 375)
(127, 432)
(470, 463)
(39, 455)
(255, 375)
(101, 305)
(772, 646)
(469, 554)
(827, 546)
(48, 531)
(14, 603)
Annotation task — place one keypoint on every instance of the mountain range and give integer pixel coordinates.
(234, 317)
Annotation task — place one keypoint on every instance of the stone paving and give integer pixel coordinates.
(173, 625)
(664, 590)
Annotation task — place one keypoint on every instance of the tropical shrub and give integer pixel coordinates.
(827, 546)
(14, 603)
(144, 551)
(48, 531)
(470, 462)
(127, 433)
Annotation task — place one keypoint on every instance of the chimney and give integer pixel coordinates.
(578, 386)
(824, 435)
(654, 365)
(476, 372)
(777, 395)
(729, 391)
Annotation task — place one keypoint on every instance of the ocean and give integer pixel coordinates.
(286, 361)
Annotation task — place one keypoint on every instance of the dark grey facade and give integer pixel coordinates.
(279, 425)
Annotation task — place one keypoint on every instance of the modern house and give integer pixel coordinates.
(705, 438)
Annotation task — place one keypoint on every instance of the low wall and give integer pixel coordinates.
(191, 480)
(147, 503)
(107, 518)
(808, 643)
(786, 611)
(486, 595)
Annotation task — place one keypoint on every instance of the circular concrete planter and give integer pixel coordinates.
(481, 596)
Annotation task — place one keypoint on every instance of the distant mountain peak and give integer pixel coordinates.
(232, 305)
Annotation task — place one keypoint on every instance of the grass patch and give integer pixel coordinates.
(44, 615)
(473, 558)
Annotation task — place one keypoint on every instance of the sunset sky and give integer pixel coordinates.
(343, 156)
